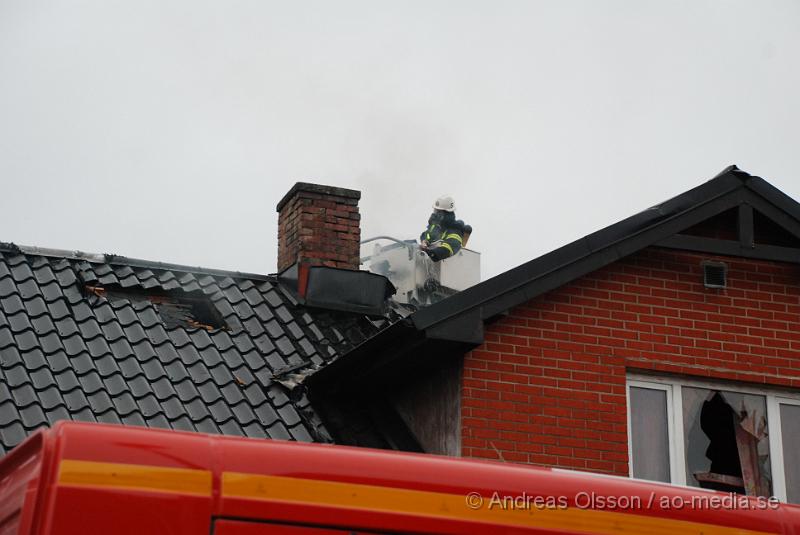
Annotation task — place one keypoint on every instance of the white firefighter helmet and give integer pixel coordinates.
(445, 203)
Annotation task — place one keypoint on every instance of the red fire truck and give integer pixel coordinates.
(93, 478)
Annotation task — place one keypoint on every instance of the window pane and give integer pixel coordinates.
(790, 431)
(649, 434)
(726, 441)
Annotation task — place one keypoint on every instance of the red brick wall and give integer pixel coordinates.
(319, 226)
(548, 385)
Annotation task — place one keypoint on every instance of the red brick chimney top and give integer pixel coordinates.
(319, 226)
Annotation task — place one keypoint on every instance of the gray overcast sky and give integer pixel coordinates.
(169, 130)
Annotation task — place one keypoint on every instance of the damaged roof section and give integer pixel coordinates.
(110, 339)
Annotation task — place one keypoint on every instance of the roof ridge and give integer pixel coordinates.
(108, 258)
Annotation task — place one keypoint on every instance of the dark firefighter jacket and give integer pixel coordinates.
(445, 235)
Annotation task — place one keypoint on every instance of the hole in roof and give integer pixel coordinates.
(176, 308)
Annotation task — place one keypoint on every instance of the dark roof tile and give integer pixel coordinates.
(82, 311)
(232, 393)
(91, 382)
(186, 390)
(139, 386)
(173, 408)
(42, 378)
(243, 344)
(12, 434)
(120, 348)
(26, 340)
(133, 418)
(163, 388)
(20, 269)
(8, 412)
(255, 394)
(82, 363)
(7, 287)
(278, 431)
(19, 322)
(43, 325)
(50, 398)
(232, 428)
(58, 361)
(73, 344)
(100, 402)
(36, 308)
(59, 309)
(67, 381)
(17, 376)
(209, 392)
(59, 412)
(113, 330)
(124, 404)
(109, 417)
(149, 406)
(254, 430)
(6, 338)
(106, 365)
(207, 425)
(159, 420)
(115, 384)
(130, 368)
(51, 343)
(153, 369)
(300, 434)
(183, 423)
(221, 375)
(76, 400)
(285, 345)
(197, 409)
(126, 314)
(98, 347)
(28, 289)
(66, 327)
(34, 359)
(253, 326)
(135, 333)
(179, 337)
(44, 274)
(244, 413)
(9, 356)
(255, 360)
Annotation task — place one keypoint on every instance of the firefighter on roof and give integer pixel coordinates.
(445, 234)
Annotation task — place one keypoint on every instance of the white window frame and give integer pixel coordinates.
(776, 441)
(677, 455)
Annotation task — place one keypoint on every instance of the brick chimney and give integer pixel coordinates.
(319, 226)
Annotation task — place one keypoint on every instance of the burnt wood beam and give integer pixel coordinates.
(746, 230)
(731, 248)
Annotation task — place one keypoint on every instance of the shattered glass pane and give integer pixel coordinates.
(790, 431)
(726, 441)
(649, 434)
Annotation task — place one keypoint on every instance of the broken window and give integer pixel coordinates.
(722, 438)
(175, 307)
(726, 441)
